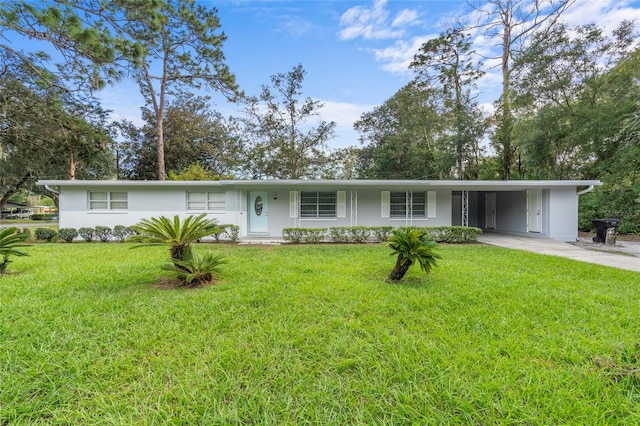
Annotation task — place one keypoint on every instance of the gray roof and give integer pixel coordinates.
(477, 185)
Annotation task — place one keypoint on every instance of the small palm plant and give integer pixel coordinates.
(177, 233)
(411, 246)
(196, 269)
(10, 241)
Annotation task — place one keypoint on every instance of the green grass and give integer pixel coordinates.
(314, 335)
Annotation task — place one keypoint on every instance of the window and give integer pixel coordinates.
(318, 204)
(400, 204)
(108, 200)
(213, 201)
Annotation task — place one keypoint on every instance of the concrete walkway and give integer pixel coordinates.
(554, 248)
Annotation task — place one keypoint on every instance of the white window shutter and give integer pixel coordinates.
(293, 204)
(342, 204)
(385, 204)
(431, 204)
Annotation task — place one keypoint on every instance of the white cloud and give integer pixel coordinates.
(397, 58)
(375, 23)
(344, 115)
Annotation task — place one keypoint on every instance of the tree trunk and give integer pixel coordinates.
(399, 270)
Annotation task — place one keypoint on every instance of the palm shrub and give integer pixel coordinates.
(67, 234)
(176, 233)
(10, 241)
(195, 269)
(411, 245)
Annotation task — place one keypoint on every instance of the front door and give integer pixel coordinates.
(490, 210)
(258, 211)
(534, 210)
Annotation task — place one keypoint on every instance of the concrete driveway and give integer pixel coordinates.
(624, 255)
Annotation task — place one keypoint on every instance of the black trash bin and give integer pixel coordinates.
(602, 225)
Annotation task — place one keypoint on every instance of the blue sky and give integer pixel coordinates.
(356, 53)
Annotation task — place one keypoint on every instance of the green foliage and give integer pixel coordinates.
(339, 234)
(67, 234)
(42, 216)
(177, 233)
(87, 233)
(382, 233)
(412, 246)
(121, 232)
(314, 235)
(306, 235)
(195, 172)
(232, 232)
(359, 234)
(453, 234)
(285, 144)
(196, 269)
(103, 233)
(45, 234)
(10, 242)
(491, 337)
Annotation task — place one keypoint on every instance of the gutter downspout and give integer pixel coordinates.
(48, 188)
(584, 191)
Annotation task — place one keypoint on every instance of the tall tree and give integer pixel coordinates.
(193, 135)
(182, 49)
(446, 65)
(38, 132)
(88, 51)
(401, 136)
(513, 22)
(284, 144)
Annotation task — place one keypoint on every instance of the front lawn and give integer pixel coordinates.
(314, 335)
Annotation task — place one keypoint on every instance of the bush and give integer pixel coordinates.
(232, 232)
(339, 234)
(359, 234)
(307, 235)
(314, 235)
(382, 233)
(87, 234)
(411, 245)
(451, 234)
(68, 234)
(121, 232)
(103, 233)
(45, 234)
(42, 216)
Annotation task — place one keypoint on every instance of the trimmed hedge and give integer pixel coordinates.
(45, 234)
(362, 234)
(67, 234)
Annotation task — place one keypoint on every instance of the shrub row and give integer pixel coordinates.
(118, 233)
(361, 234)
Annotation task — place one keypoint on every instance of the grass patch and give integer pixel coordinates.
(314, 335)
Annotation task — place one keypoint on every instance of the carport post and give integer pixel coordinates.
(465, 208)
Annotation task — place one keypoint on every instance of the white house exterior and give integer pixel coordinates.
(262, 208)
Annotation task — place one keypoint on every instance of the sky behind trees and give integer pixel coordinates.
(356, 53)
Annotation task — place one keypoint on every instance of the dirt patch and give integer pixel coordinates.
(166, 283)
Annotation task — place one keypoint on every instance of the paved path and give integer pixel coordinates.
(554, 248)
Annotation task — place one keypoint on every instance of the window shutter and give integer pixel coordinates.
(341, 204)
(385, 203)
(431, 203)
(293, 204)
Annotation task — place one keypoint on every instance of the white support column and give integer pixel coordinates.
(354, 208)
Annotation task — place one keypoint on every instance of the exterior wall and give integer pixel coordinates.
(363, 206)
(563, 221)
(511, 211)
(142, 203)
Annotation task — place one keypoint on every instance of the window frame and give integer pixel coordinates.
(309, 209)
(109, 201)
(208, 203)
